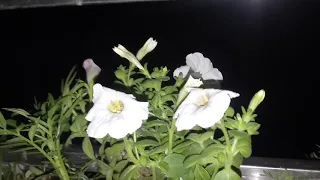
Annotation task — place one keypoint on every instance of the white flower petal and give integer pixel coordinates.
(189, 114)
(214, 73)
(183, 69)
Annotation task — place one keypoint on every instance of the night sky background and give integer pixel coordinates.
(271, 45)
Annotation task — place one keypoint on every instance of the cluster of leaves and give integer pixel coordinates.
(42, 129)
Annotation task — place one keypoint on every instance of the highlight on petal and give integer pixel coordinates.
(92, 70)
(203, 107)
(115, 113)
(124, 53)
(148, 46)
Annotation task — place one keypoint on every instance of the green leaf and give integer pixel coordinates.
(158, 149)
(120, 165)
(175, 162)
(194, 137)
(244, 146)
(206, 135)
(164, 166)
(191, 161)
(32, 132)
(229, 112)
(127, 173)
(3, 123)
(79, 123)
(221, 158)
(18, 111)
(156, 123)
(252, 128)
(237, 160)
(213, 150)
(237, 134)
(227, 174)
(231, 124)
(152, 84)
(200, 173)
(104, 168)
(145, 143)
(35, 171)
(87, 148)
(182, 146)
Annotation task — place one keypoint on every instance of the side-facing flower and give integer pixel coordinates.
(114, 113)
(191, 83)
(196, 62)
(92, 70)
(148, 46)
(203, 107)
(123, 52)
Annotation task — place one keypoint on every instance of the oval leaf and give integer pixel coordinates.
(200, 173)
(227, 174)
(87, 148)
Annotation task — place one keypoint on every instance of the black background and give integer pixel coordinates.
(256, 44)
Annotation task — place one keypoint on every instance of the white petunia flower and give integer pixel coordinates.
(203, 107)
(114, 113)
(196, 62)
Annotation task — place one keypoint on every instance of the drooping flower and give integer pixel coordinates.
(197, 63)
(203, 107)
(92, 70)
(114, 113)
(148, 46)
(123, 52)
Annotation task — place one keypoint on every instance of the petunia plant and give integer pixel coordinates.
(157, 127)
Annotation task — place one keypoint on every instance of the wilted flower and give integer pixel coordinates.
(92, 70)
(148, 46)
(196, 62)
(123, 52)
(114, 113)
(203, 107)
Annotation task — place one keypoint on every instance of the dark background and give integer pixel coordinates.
(256, 44)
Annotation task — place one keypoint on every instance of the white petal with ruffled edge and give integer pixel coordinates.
(189, 114)
(117, 125)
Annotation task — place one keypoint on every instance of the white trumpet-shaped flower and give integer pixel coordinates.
(123, 52)
(148, 46)
(196, 62)
(203, 107)
(114, 113)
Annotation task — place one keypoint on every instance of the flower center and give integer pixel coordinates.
(202, 101)
(116, 106)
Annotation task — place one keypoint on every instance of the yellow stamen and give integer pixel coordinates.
(116, 106)
(203, 100)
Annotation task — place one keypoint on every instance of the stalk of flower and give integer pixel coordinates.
(92, 71)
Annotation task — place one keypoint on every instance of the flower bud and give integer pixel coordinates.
(256, 100)
(92, 70)
(148, 46)
(123, 52)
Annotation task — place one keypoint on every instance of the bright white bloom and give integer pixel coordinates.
(148, 46)
(92, 70)
(196, 62)
(123, 52)
(114, 113)
(203, 107)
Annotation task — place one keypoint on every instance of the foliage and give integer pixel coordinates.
(155, 151)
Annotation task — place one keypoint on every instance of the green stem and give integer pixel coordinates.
(129, 151)
(229, 151)
(131, 67)
(154, 176)
(135, 148)
(171, 133)
(63, 171)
